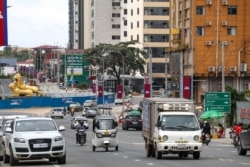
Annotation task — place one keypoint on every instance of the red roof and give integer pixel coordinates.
(46, 47)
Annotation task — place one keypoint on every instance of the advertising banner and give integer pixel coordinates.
(100, 91)
(119, 91)
(147, 90)
(3, 23)
(187, 87)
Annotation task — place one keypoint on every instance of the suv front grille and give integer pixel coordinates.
(40, 148)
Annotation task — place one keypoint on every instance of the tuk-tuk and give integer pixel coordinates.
(105, 132)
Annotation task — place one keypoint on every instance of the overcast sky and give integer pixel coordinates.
(33, 23)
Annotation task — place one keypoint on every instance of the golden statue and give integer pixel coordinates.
(19, 88)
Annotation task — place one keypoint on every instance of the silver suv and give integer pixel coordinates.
(34, 138)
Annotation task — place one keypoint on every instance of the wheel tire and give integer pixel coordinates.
(106, 148)
(13, 161)
(158, 154)
(149, 150)
(116, 148)
(196, 155)
(62, 160)
(93, 148)
(6, 158)
(126, 127)
(52, 159)
(240, 150)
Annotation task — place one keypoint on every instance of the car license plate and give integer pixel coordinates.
(40, 145)
(134, 122)
(181, 145)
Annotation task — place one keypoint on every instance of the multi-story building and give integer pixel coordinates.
(219, 31)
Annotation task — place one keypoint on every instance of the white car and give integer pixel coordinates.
(57, 112)
(89, 103)
(34, 138)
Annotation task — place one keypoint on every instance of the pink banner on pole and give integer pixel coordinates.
(187, 87)
(3, 23)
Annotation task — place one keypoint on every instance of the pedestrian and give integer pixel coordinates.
(66, 89)
(64, 110)
(221, 131)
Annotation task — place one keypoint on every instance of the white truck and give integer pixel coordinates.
(170, 127)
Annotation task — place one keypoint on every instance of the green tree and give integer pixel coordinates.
(235, 96)
(134, 58)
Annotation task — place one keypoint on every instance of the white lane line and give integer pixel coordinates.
(151, 164)
(125, 156)
(136, 160)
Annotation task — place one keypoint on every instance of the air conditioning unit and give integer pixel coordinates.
(224, 23)
(233, 68)
(211, 69)
(209, 2)
(208, 23)
(220, 69)
(208, 43)
(243, 67)
(224, 43)
(224, 2)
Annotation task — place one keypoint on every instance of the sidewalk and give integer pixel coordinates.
(226, 139)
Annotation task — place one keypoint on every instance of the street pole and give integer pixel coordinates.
(150, 70)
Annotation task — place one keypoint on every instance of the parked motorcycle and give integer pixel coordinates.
(206, 138)
(81, 137)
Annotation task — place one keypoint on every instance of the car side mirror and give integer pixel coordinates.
(97, 125)
(115, 124)
(8, 130)
(158, 124)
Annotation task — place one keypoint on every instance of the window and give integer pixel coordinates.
(116, 15)
(125, 22)
(131, 25)
(137, 37)
(231, 31)
(116, 26)
(125, 11)
(138, 11)
(131, 37)
(232, 10)
(200, 10)
(125, 33)
(200, 31)
(115, 37)
(138, 24)
(131, 12)
(125, 1)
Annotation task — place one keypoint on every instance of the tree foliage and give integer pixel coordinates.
(235, 96)
(113, 56)
(13, 52)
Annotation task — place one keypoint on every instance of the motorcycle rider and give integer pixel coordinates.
(237, 130)
(206, 130)
(79, 126)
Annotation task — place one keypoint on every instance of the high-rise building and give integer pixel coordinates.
(221, 41)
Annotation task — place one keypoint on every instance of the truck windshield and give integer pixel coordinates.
(179, 123)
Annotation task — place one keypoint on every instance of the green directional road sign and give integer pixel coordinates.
(220, 101)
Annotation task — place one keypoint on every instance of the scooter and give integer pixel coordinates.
(81, 137)
(234, 138)
(206, 138)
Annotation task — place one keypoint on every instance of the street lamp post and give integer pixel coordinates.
(103, 78)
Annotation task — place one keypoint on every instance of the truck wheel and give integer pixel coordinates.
(240, 150)
(158, 154)
(93, 148)
(13, 161)
(196, 155)
(149, 150)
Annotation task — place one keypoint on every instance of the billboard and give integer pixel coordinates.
(3, 23)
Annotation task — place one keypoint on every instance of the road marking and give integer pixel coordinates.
(151, 164)
(125, 156)
(221, 159)
(245, 163)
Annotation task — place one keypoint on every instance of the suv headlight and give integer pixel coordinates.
(58, 138)
(19, 140)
